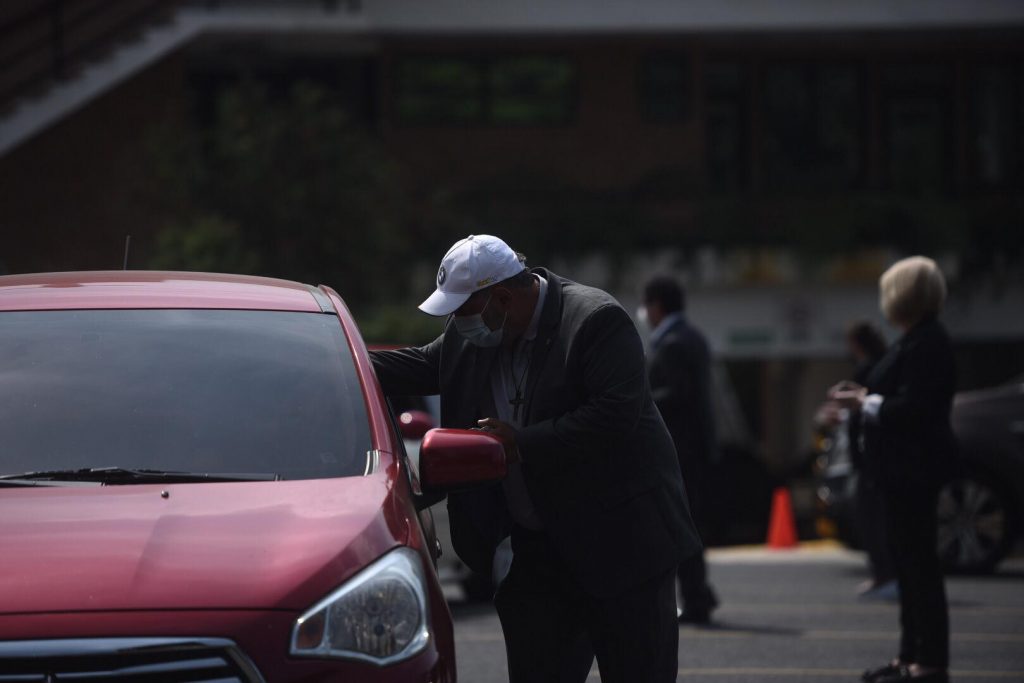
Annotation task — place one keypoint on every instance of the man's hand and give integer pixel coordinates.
(505, 433)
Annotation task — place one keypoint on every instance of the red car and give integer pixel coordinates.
(200, 481)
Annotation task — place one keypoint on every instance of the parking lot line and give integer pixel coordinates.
(849, 674)
(862, 608)
(812, 634)
(955, 636)
(824, 634)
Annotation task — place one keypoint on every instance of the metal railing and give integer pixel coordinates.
(46, 41)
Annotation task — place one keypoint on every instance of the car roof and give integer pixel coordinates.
(153, 289)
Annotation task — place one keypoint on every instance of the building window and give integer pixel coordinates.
(531, 90)
(439, 90)
(665, 88)
(812, 127)
(726, 125)
(997, 125)
(349, 81)
(917, 120)
(507, 90)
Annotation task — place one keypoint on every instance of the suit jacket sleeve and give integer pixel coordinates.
(680, 375)
(413, 371)
(614, 381)
(704, 410)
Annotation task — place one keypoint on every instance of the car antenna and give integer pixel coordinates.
(127, 245)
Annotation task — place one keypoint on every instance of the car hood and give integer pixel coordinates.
(268, 545)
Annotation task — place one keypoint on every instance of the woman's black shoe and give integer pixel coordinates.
(872, 675)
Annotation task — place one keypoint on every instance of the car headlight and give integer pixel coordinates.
(380, 615)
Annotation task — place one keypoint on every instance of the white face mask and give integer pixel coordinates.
(641, 316)
(476, 331)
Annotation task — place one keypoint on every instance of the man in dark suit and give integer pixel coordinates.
(594, 501)
(679, 367)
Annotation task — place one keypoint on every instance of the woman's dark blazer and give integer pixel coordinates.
(912, 443)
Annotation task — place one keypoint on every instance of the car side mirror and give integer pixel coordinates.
(414, 424)
(454, 459)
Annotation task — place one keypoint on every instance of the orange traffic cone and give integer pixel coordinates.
(781, 527)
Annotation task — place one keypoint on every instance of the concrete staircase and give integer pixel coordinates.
(58, 55)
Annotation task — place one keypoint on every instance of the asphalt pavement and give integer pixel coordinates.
(794, 615)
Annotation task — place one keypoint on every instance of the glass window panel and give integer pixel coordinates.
(724, 78)
(725, 125)
(995, 132)
(914, 77)
(915, 143)
(1019, 124)
(439, 90)
(531, 90)
(812, 127)
(839, 124)
(918, 131)
(664, 88)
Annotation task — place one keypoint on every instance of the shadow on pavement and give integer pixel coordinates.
(999, 575)
(741, 629)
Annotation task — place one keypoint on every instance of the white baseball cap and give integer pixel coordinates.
(472, 264)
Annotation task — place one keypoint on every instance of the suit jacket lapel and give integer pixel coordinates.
(550, 317)
(478, 380)
(882, 367)
(464, 383)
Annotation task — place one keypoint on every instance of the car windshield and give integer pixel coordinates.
(183, 390)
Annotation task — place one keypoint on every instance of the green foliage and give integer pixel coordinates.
(207, 244)
(982, 232)
(545, 217)
(401, 325)
(314, 198)
(994, 247)
(287, 186)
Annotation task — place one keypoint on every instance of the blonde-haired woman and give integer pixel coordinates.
(909, 446)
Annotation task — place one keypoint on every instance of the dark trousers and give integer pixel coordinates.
(553, 629)
(872, 527)
(924, 617)
(697, 594)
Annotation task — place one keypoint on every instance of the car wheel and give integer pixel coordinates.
(975, 524)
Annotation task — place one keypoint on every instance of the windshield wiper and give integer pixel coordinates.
(113, 476)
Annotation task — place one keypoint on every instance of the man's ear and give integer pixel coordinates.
(504, 296)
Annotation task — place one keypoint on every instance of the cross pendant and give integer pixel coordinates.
(516, 404)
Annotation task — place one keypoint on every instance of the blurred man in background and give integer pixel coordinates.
(679, 368)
